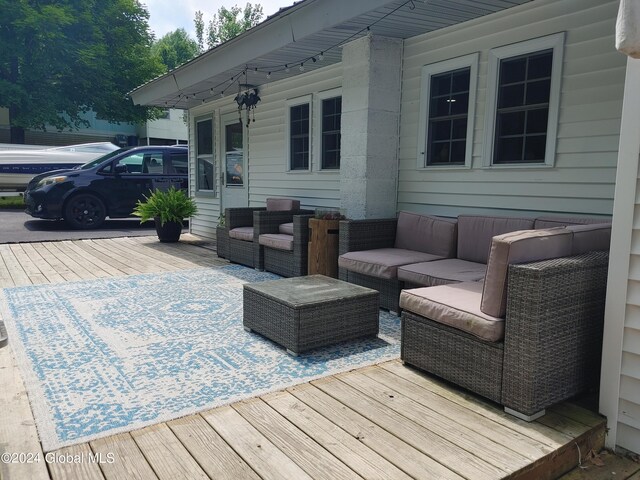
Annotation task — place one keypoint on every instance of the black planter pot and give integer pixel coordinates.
(169, 232)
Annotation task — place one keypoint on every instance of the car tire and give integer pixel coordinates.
(84, 211)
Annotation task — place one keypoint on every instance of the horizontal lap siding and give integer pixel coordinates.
(583, 177)
(268, 176)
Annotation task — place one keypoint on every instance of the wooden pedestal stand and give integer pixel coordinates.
(323, 247)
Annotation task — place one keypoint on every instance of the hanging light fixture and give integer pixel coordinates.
(248, 100)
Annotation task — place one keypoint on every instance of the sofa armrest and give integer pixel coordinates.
(301, 231)
(553, 330)
(366, 234)
(240, 217)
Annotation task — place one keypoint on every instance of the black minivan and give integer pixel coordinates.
(109, 186)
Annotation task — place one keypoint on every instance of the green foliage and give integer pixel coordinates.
(175, 48)
(169, 206)
(16, 201)
(61, 58)
(227, 23)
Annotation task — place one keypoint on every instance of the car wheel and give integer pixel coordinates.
(84, 211)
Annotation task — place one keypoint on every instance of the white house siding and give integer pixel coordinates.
(582, 179)
(267, 169)
(268, 175)
(620, 378)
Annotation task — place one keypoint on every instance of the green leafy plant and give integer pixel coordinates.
(169, 206)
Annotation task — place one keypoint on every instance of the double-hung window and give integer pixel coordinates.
(447, 109)
(523, 102)
(205, 166)
(298, 133)
(331, 115)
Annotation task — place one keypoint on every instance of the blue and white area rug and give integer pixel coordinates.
(111, 355)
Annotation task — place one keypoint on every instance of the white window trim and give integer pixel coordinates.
(317, 131)
(428, 71)
(197, 190)
(555, 42)
(294, 102)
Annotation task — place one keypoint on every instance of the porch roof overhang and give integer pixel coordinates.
(297, 34)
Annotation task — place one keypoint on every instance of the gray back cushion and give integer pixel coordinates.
(475, 233)
(587, 238)
(518, 247)
(550, 222)
(424, 233)
(282, 204)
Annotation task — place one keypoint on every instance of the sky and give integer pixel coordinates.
(168, 15)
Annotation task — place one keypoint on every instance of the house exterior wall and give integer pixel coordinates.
(620, 378)
(267, 170)
(172, 129)
(582, 177)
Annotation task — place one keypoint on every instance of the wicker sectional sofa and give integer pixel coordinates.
(515, 316)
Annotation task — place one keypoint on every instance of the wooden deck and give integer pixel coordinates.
(387, 421)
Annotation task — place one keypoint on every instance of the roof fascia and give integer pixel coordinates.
(311, 16)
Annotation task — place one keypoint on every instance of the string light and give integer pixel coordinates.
(314, 58)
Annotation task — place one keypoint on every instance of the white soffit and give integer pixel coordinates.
(296, 33)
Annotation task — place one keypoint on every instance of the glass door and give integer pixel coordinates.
(235, 191)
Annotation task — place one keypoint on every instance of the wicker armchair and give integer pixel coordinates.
(246, 252)
(356, 235)
(282, 261)
(552, 340)
(240, 244)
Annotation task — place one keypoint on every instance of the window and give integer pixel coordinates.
(299, 137)
(179, 163)
(523, 101)
(447, 110)
(330, 133)
(139, 162)
(205, 168)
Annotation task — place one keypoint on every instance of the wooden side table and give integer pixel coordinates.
(323, 247)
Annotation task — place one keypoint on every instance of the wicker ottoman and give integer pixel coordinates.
(303, 313)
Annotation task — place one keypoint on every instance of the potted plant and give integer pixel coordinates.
(168, 208)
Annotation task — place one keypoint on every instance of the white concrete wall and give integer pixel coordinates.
(583, 176)
(372, 68)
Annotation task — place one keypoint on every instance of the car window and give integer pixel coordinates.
(179, 163)
(139, 163)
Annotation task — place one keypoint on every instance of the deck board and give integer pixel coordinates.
(210, 450)
(294, 443)
(387, 421)
(352, 452)
(122, 458)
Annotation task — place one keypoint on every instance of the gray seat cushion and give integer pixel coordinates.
(428, 234)
(519, 247)
(286, 228)
(277, 240)
(382, 262)
(242, 233)
(442, 272)
(456, 305)
(475, 233)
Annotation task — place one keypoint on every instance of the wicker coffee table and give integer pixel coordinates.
(303, 313)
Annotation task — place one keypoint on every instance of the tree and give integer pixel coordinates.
(61, 58)
(227, 23)
(175, 48)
